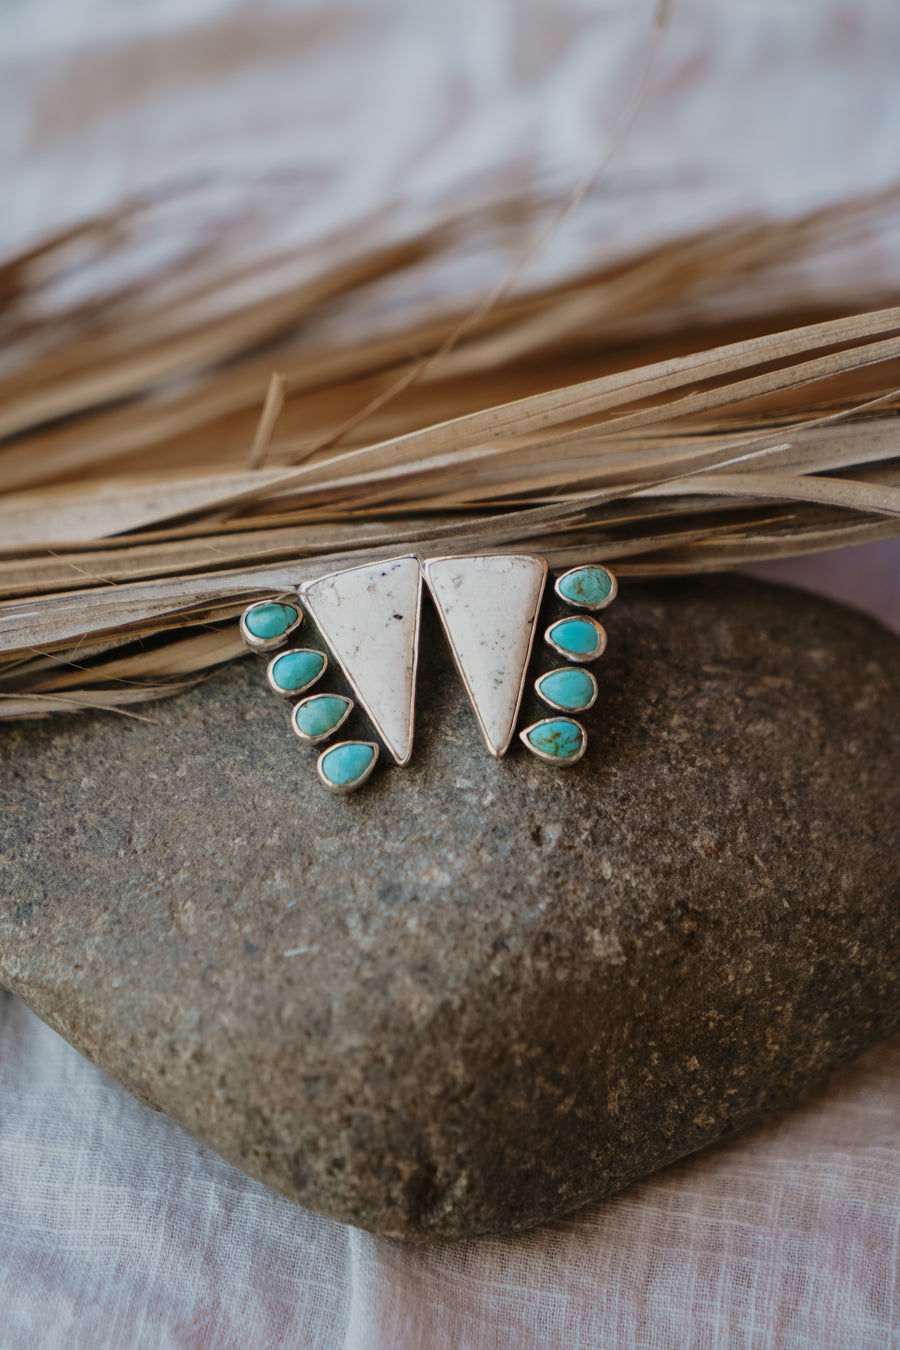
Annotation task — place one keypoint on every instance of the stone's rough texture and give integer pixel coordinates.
(270, 620)
(578, 638)
(488, 606)
(586, 586)
(297, 670)
(320, 714)
(369, 616)
(478, 993)
(347, 763)
(573, 690)
(557, 738)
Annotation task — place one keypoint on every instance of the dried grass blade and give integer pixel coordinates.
(89, 700)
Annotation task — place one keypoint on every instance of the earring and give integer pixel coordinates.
(489, 605)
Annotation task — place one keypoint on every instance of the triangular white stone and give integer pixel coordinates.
(369, 616)
(489, 608)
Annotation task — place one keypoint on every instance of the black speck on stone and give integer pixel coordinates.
(478, 994)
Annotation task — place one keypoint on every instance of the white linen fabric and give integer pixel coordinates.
(117, 1230)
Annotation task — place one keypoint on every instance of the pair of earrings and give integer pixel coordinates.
(369, 619)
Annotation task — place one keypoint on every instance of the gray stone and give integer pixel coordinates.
(478, 994)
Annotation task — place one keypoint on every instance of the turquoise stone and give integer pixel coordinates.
(269, 620)
(317, 716)
(557, 737)
(297, 670)
(578, 636)
(345, 764)
(573, 690)
(586, 585)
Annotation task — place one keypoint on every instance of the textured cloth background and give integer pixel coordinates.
(119, 1232)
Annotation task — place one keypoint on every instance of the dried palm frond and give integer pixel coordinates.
(173, 450)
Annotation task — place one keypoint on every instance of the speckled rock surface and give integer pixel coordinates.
(478, 993)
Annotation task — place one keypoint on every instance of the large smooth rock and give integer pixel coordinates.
(479, 993)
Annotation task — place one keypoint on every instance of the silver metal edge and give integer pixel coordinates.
(580, 605)
(558, 706)
(551, 759)
(316, 740)
(570, 656)
(269, 644)
(294, 693)
(326, 576)
(461, 557)
(357, 782)
(415, 668)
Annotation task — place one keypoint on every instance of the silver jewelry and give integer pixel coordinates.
(489, 605)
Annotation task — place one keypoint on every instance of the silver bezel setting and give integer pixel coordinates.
(575, 658)
(342, 788)
(580, 604)
(257, 644)
(317, 740)
(564, 670)
(542, 754)
(450, 557)
(303, 592)
(294, 693)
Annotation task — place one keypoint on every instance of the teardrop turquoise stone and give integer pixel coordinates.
(586, 585)
(578, 636)
(344, 764)
(558, 737)
(319, 715)
(297, 670)
(269, 620)
(570, 689)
